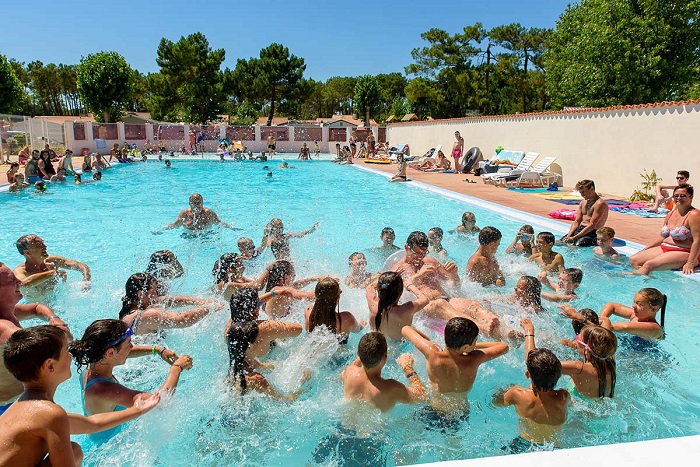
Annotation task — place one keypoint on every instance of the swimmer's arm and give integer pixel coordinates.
(309, 280)
(571, 367)
(505, 396)
(419, 340)
(33, 280)
(60, 261)
(451, 273)
(304, 233)
(178, 222)
(183, 300)
(552, 297)
(37, 310)
(529, 330)
(544, 279)
(140, 404)
(652, 330)
(263, 386)
(558, 262)
(490, 350)
(278, 329)
(616, 309)
(180, 319)
(512, 247)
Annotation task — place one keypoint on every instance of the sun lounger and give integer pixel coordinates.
(523, 166)
(539, 175)
(432, 152)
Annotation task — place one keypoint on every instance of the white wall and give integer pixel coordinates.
(609, 146)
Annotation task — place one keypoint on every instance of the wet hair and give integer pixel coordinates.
(355, 255)
(683, 173)
(323, 312)
(389, 290)
(245, 242)
(417, 238)
(98, 175)
(656, 298)
(468, 216)
(588, 315)
(544, 368)
(27, 349)
(533, 289)
(139, 282)
(223, 264)
(276, 272)
(585, 184)
(158, 259)
(686, 187)
(459, 332)
(606, 232)
(527, 228)
(243, 304)
(96, 341)
(23, 242)
(437, 230)
(372, 349)
(575, 274)
(388, 230)
(603, 344)
(488, 235)
(196, 198)
(238, 339)
(548, 237)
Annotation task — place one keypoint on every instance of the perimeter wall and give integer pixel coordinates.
(610, 146)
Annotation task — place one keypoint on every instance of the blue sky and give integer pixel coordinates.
(335, 37)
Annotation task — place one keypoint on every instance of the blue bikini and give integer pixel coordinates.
(102, 436)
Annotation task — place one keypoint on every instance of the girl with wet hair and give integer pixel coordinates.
(642, 322)
(326, 311)
(281, 274)
(142, 311)
(228, 274)
(385, 313)
(242, 374)
(596, 375)
(579, 319)
(245, 306)
(105, 345)
(528, 293)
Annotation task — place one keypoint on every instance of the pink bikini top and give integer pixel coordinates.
(680, 233)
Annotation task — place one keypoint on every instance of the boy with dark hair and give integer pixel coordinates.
(35, 425)
(549, 260)
(452, 371)
(565, 289)
(542, 408)
(362, 380)
(483, 267)
(435, 248)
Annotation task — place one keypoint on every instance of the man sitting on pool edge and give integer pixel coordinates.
(40, 270)
(592, 215)
(197, 217)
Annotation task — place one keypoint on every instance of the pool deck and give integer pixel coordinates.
(627, 226)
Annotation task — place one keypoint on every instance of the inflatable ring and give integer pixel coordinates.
(393, 259)
(470, 159)
(377, 161)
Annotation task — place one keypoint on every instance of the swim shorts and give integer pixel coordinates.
(589, 239)
(456, 153)
(520, 445)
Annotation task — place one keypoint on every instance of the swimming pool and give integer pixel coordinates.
(108, 225)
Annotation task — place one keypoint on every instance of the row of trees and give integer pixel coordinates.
(602, 52)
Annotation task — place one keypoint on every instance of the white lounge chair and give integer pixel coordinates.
(432, 152)
(539, 175)
(523, 166)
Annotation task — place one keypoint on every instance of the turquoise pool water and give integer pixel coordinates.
(108, 225)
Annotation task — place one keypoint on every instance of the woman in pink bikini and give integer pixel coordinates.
(457, 149)
(678, 245)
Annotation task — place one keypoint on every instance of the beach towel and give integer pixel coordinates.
(568, 214)
(641, 212)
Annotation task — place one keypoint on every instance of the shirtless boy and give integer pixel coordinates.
(196, 217)
(541, 408)
(605, 237)
(435, 248)
(483, 267)
(565, 288)
(452, 371)
(548, 260)
(363, 380)
(592, 215)
(35, 425)
(457, 149)
(359, 278)
(10, 315)
(387, 248)
(40, 271)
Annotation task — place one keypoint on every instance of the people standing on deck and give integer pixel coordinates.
(271, 145)
(457, 149)
(591, 215)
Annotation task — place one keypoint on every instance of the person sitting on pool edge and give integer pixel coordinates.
(452, 370)
(662, 195)
(36, 430)
(592, 214)
(605, 237)
(546, 258)
(541, 408)
(363, 380)
(40, 271)
(569, 280)
(196, 217)
(482, 266)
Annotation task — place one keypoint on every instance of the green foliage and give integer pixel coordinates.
(246, 114)
(11, 90)
(400, 107)
(649, 182)
(617, 52)
(367, 97)
(105, 84)
(423, 97)
(275, 77)
(190, 85)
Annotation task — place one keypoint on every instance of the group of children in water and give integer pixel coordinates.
(423, 281)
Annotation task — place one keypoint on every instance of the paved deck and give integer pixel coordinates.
(628, 227)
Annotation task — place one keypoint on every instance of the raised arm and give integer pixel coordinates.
(529, 336)
(32, 280)
(304, 233)
(66, 263)
(141, 403)
(616, 309)
(419, 340)
(416, 391)
(490, 350)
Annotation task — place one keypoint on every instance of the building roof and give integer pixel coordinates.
(276, 121)
(409, 118)
(392, 118)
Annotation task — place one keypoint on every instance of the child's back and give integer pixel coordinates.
(541, 412)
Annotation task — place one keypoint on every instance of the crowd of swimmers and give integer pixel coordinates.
(420, 281)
